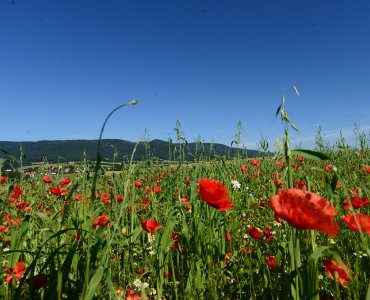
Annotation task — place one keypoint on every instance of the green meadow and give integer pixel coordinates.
(293, 225)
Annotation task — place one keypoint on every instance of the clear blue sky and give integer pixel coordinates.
(64, 65)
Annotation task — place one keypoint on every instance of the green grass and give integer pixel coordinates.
(118, 254)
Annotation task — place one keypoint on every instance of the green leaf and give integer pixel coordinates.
(45, 218)
(310, 154)
(285, 117)
(8, 154)
(278, 110)
(318, 252)
(94, 282)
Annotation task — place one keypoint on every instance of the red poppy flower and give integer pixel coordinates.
(175, 237)
(63, 191)
(138, 184)
(55, 191)
(279, 184)
(305, 210)
(150, 225)
(271, 262)
(328, 168)
(334, 266)
(300, 159)
(146, 202)
(100, 221)
(65, 181)
(47, 179)
(367, 170)
(255, 163)
(228, 256)
(3, 228)
(157, 189)
(78, 197)
(214, 194)
(248, 251)
(186, 203)
(228, 237)
(279, 164)
(77, 235)
(9, 220)
(362, 220)
(255, 233)
(17, 272)
(17, 192)
(356, 202)
(302, 185)
(133, 295)
(243, 168)
(119, 198)
(148, 190)
(3, 179)
(269, 236)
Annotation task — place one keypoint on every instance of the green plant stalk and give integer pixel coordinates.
(288, 157)
(294, 253)
(98, 156)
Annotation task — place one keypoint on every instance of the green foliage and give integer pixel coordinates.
(72, 150)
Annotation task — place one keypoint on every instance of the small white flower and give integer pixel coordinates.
(236, 184)
(152, 252)
(321, 277)
(151, 238)
(246, 236)
(153, 291)
(145, 285)
(137, 283)
(331, 241)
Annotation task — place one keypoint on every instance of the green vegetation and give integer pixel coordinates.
(292, 226)
(73, 150)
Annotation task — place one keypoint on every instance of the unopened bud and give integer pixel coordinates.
(124, 231)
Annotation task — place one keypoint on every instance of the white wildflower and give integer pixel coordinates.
(137, 283)
(236, 184)
(151, 238)
(145, 285)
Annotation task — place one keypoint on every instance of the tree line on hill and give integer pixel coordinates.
(59, 151)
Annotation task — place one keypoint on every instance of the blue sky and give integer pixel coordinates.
(64, 65)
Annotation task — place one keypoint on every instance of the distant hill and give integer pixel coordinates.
(73, 150)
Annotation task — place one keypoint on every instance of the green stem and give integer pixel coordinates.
(98, 156)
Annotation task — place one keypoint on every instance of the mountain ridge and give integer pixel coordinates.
(75, 150)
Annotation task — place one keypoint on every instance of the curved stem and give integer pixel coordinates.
(98, 156)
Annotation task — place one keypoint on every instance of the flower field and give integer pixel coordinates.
(229, 229)
(292, 226)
